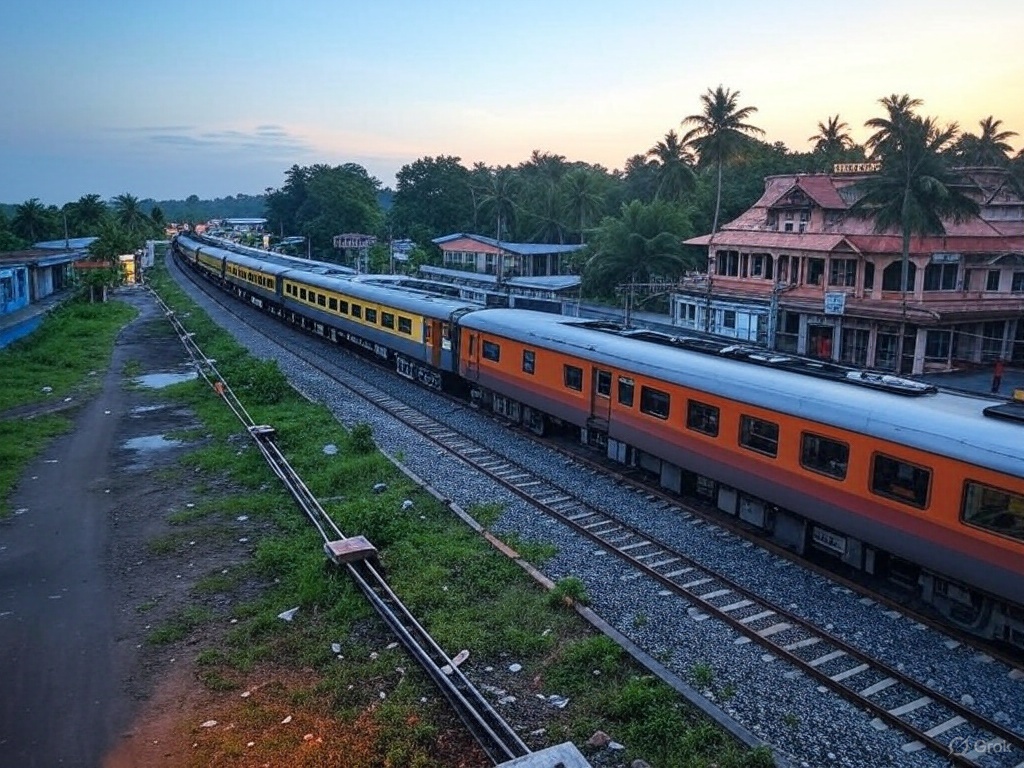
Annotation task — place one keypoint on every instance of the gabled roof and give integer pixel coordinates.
(523, 249)
(818, 187)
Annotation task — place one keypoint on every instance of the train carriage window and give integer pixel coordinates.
(371, 315)
(302, 293)
(759, 435)
(343, 307)
(654, 402)
(491, 351)
(428, 334)
(604, 383)
(822, 454)
(357, 310)
(899, 480)
(626, 388)
(321, 299)
(701, 417)
(993, 509)
(529, 361)
(332, 304)
(573, 377)
(405, 325)
(387, 319)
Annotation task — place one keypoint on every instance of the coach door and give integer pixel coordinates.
(472, 355)
(432, 333)
(601, 398)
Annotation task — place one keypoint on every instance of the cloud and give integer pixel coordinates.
(264, 140)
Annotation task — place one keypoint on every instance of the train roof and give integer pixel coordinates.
(940, 422)
(415, 301)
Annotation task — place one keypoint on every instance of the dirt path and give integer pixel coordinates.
(75, 573)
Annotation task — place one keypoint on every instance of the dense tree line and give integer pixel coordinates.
(632, 220)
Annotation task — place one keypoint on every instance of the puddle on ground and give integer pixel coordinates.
(161, 380)
(146, 409)
(151, 443)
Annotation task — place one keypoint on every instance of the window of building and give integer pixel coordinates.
(937, 345)
(654, 402)
(491, 351)
(343, 307)
(899, 480)
(688, 315)
(992, 280)
(843, 272)
(941, 277)
(357, 310)
(573, 377)
(727, 263)
(321, 299)
(387, 319)
(1017, 284)
(405, 325)
(729, 318)
(815, 271)
(892, 277)
(332, 304)
(604, 383)
(701, 417)
(825, 455)
(855, 346)
(993, 509)
(788, 227)
(869, 275)
(759, 435)
(626, 388)
(529, 361)
(371, 315)
(761, 265)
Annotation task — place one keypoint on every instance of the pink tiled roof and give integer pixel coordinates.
(818, 187)
(872, 243)
(795, 240)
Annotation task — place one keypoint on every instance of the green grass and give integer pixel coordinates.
(73, 342)
(458, 587)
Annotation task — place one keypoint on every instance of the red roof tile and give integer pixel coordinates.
(798, 241)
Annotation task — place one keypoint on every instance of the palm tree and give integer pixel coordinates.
(719, 133)
(832, 137)
(643, 242)
(499, 199)
(988, 149)
(914, 191)
(582, 198)
(89, 214)
(29, 220)
(674, 163)
(130, 215)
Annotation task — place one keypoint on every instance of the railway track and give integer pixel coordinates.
(496, 737)
(929, 719)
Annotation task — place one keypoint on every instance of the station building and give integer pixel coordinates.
(801, 274)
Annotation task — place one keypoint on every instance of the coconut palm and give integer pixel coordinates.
(719, 134)
(832, 138)
(674, 162)
(642, 243)
(582, 198)
(988, 149)
(30, 220)
(89, 213)
(914, 192)
(129, 214)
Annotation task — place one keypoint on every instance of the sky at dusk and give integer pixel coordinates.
(169, 99)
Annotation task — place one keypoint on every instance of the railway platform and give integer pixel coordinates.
(16, 325)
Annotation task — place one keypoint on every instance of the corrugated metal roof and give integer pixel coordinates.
(522, 249)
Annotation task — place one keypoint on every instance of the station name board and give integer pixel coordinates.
(856, 167)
